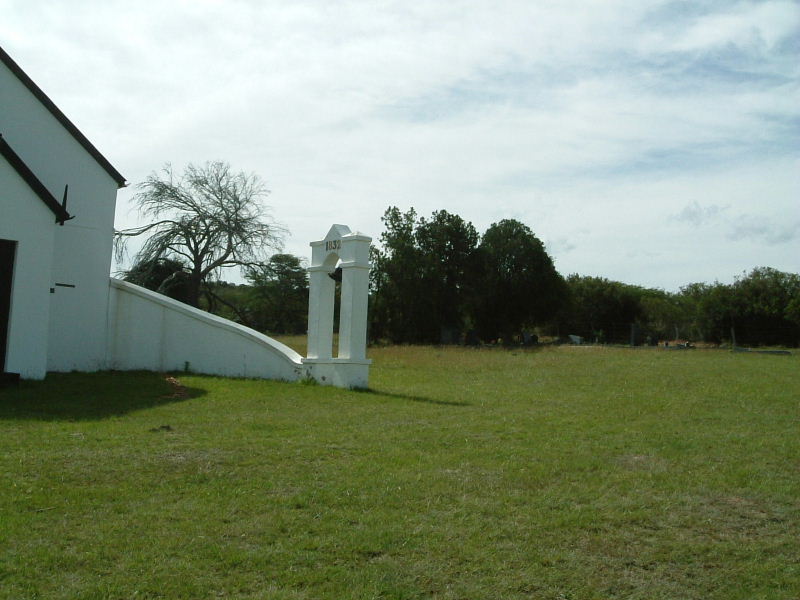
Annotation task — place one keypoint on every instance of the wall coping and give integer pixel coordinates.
(337, 361)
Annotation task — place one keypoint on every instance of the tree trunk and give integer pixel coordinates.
(193, 291)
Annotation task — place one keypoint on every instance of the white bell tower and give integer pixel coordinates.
(349, 251)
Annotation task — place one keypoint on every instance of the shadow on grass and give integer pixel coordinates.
(410, 397)
(91, 396)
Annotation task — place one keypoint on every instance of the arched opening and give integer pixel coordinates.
(334, 262)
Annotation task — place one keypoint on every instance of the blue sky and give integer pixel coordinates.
(657, 143)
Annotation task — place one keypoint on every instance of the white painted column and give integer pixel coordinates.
(321, 290)
(353, 311)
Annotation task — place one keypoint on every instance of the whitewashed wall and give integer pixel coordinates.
(24, 218)
(152, 332)
(83, 246)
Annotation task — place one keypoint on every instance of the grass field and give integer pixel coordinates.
(561, 473)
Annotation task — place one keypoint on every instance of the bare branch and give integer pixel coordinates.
(210, 215)
(244, 318)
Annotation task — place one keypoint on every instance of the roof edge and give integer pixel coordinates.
(61, 118)
(33, 182)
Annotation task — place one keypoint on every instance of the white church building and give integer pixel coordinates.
(60, 310)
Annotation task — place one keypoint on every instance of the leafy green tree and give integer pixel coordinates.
(279, 295)
(436, 276)
(601, 309)
(763, 303)
(762, 307)
(709, 309)
(421, 277)
(163, 275)
(211, 217)
(792, 311)
(662, 316)
(396, 291)
(448, 272)
(518, 283)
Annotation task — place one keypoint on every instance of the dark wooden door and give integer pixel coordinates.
(7, 252)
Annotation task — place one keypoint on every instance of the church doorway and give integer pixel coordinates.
(7, 251)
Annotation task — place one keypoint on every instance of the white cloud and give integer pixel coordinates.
(745, 25)
(697, 215)
(593, 122)
(764, 230)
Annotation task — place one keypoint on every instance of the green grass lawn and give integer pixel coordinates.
(562, 473)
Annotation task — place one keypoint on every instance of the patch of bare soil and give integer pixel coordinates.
(178, 391)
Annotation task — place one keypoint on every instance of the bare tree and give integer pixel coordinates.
(210, 217)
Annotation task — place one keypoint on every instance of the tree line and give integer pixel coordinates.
(761, 307)
(433, 280)
(437, 280)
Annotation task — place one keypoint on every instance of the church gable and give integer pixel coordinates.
(47, 103)
(33, 182)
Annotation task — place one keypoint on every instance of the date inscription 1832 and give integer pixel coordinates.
(333, 245)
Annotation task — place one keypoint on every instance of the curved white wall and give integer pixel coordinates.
(152, 332)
